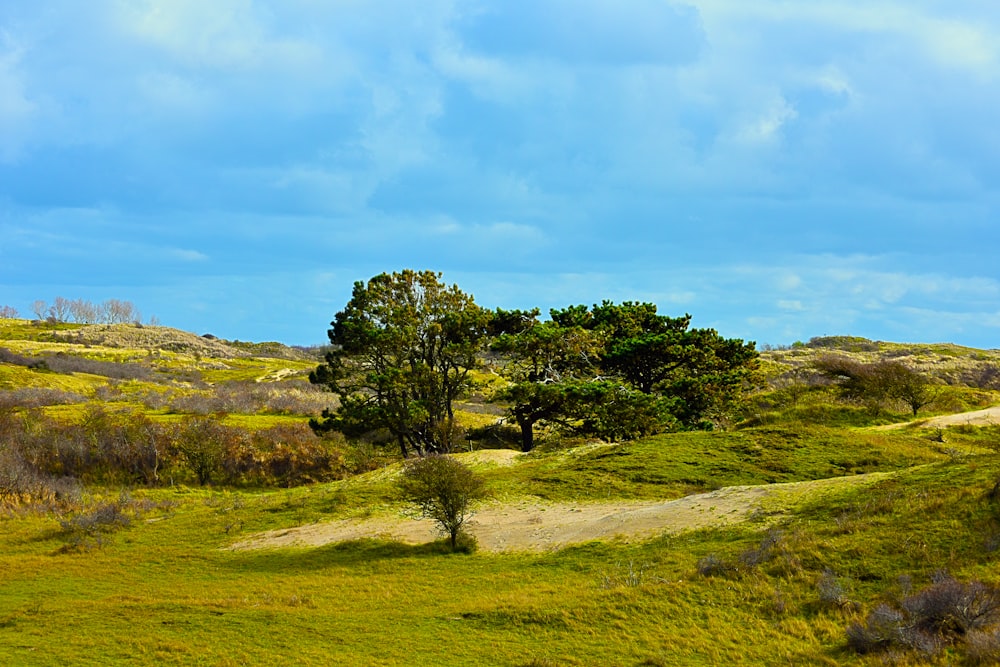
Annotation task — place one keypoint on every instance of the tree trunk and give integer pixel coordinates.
(527, 435)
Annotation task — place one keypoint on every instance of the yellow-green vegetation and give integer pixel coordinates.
(92, 574)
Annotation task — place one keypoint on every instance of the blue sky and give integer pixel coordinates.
(778, 169)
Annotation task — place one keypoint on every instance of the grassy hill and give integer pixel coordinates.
(118, 572)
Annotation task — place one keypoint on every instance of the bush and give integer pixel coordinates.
(201, 444)
(831, 592)
(91, 527)
(766, 551)
(983, 647)
(497, 434)
(946, 612)
(66, 363)
(289, 398)
(880, 630)
(443, 489)
(38, 397)
(290, 455)
(950, 608)
(712, 565)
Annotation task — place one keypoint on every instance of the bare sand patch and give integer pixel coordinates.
(985, 417)
(529, 525)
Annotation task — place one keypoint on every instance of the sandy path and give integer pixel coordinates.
(276, 375)
(984, 417)
(535, 526)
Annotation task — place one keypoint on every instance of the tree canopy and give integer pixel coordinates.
(402, 351)
(405, 344)
(619, 371)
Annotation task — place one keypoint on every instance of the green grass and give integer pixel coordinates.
(168, 591)
(672, 465)
(19, 377)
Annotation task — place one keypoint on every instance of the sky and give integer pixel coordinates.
(779, 169)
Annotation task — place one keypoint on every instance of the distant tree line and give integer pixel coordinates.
(81, 311)
(406, 347)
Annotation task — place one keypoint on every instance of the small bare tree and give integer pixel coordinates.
(116, 311)
(83, 311)
(60, 310)
(40, 308)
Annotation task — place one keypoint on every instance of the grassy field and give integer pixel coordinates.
(781, 588)
(167, 590)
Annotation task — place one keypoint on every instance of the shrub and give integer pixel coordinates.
(38, 397)
(90, 527)
(19, 480)
(983, 647)
(712, 565)
(880, 630)
(831, 592)
(497, 434)
(950, 608)
(254, 398)
(443, 489)
(291, 455)
(764, 552)
(945, 612)
(66, 363)
(201, 443)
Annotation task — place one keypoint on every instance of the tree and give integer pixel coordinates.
(546, 364)
(534, 402)
(83, 311)
(116, 311)
(402, 351)
(60, 309)
(877, 383)
(911, 387)
(700, 372)
(40, 308)
(443, 489)
(201, 444)
(614, 412)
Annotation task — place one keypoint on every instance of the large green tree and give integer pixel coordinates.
(544, 363)
(703, 374)
(556, 378)
(402, 351)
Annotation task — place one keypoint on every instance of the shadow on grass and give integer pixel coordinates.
(349, 553)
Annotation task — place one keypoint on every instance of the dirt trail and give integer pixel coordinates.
(536, 526)
(276, 375)
(976, 418)
(530, 525)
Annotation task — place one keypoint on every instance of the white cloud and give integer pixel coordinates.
(185, 255)
(227, 34)
(788, 281)
(767, 125)
(965, 43)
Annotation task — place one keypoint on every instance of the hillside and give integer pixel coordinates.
(765, 543)
(951, 364)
